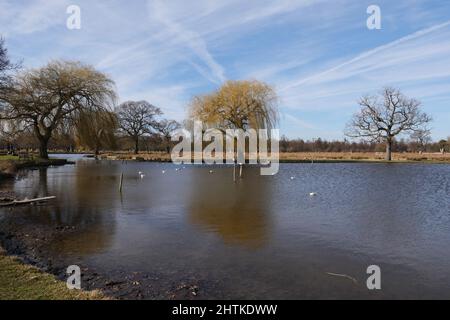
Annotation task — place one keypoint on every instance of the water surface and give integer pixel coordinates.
(261, 237)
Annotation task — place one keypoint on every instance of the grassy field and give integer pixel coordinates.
(8, 157)
(304, 157)
(364, 156)
(22, 282)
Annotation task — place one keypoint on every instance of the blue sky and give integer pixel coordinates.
(319, 55)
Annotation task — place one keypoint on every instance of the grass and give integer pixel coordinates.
(23, 282)
(363, 157)
(306, 157)
(8, 157)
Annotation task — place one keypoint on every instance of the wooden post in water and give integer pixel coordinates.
(121, 182)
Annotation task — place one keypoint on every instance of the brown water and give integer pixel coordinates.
(262, 237)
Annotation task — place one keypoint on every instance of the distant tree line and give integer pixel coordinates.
(401, 145)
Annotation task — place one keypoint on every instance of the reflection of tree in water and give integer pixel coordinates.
(84, 223)
(238, 212)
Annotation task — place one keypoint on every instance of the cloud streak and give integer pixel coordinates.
(318, 54)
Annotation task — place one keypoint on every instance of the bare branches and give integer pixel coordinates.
(6, 67)
(385, 117)
(166, 128)
(137, 118)
(47, 96)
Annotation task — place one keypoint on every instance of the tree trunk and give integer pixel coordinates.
(168, 145)
(136, 145)
(43, 148)
(388, 150)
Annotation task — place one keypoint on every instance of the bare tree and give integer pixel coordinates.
(166, 128)
(422, 137)
(6, 69)
(136, 119)
(382, 118)
(5, 66)
(43, 98)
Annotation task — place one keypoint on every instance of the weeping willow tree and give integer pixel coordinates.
(96, 130)
(44, 98)
(237, 105)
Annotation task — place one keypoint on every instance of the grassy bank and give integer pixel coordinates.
(9, 165)
(305, 157)
(363, 157)
(23, 282)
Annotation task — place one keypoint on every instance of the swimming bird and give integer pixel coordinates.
(164, 171)
(313, 194)
(210, 171)
(292, 178)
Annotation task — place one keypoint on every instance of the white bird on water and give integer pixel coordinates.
(142, 175)
(210, 171)
(164, 171)
(313, 194)
(292, 178)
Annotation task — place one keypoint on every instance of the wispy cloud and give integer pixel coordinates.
(318, 54)
(37, 16)
(188, 39)
(379, 63)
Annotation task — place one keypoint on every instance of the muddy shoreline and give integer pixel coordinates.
(20, 238)
(29, 245)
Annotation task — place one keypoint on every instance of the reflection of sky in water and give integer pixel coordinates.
(262, 236)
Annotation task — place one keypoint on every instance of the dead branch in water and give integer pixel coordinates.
(27, 201)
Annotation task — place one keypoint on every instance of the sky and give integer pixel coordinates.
(320, 56)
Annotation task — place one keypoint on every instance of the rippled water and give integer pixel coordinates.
(261, 237)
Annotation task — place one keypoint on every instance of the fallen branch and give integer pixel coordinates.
(27, 201)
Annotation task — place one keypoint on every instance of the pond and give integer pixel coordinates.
(261, 237)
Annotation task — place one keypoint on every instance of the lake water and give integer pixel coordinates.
(261, 237)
